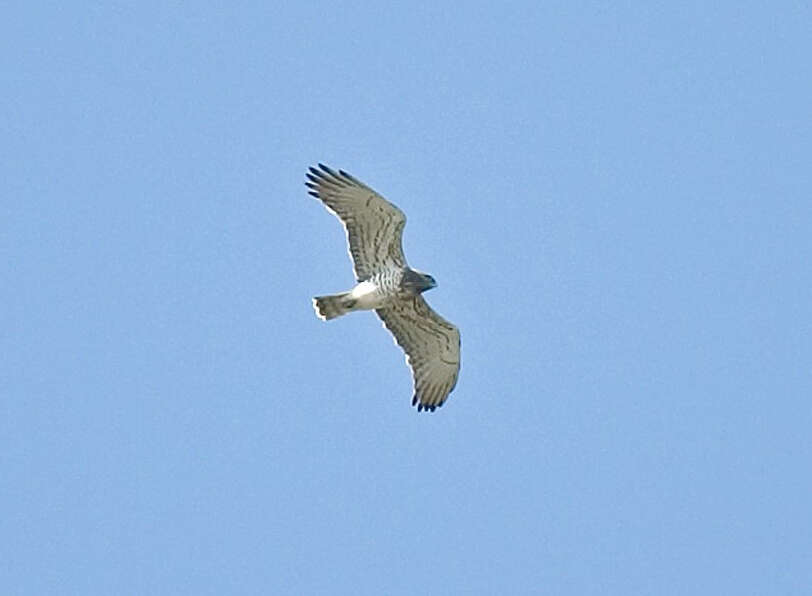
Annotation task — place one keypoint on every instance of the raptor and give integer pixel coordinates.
(387, 285)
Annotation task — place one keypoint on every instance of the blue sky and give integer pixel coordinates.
(616, 202)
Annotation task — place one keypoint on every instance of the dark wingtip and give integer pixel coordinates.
(350, 178)
(314, 172)
(327, 169)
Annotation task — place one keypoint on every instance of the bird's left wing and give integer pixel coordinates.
(432, 347)
(374, 225)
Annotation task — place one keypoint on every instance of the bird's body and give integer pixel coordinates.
(374, 293)
(379, 291)
(388, 285)
(369, 294)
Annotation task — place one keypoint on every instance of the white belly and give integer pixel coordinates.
(367, 296)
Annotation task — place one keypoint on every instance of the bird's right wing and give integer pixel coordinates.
(432, 347)
(374, 226)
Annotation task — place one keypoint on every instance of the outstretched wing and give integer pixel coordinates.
(374, 225)
(432, 347)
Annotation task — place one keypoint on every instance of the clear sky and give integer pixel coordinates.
(616, 202)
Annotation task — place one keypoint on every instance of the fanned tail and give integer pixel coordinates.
(330, 307)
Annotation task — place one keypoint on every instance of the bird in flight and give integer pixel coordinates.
(387, 285)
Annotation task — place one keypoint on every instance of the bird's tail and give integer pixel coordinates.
(330, 307)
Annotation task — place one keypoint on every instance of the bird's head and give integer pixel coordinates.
(417, 281)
